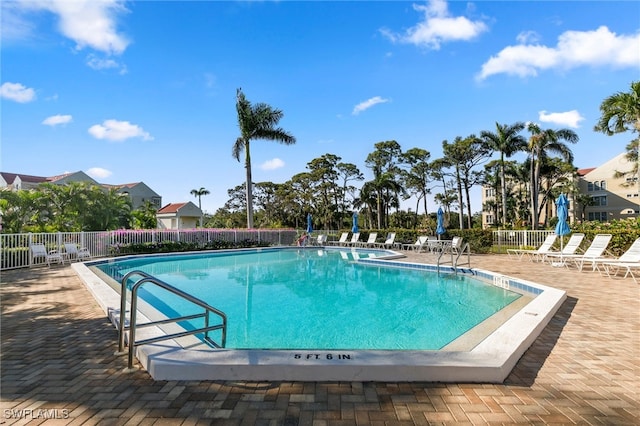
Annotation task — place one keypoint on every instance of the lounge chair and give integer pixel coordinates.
(371, 240)
(342, 240)
(418, 245)
(320, 241)
(571, 248)
(535, 254)
(72, 252)
(389, 242)
(595, 251)
(355, 240)
(39, 251)
(627, 261)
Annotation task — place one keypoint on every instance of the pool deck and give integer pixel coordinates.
(57, 360)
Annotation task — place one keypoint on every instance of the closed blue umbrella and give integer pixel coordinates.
(355, 228)
(562, 227)
(440, 228)
(309, 224)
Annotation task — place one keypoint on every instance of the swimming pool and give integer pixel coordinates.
(497, 343)
(319, 299)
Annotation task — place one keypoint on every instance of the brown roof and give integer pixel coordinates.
(583, 172)
(171, 208)
(11, 177)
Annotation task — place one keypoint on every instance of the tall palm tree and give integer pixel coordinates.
(541, 143)
(199, 193)
(256, 122)
(621, 113)
(507, 141)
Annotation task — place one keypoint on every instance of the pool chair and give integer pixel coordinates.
(572, 246)
(355, 240)
(371, 240)
(535, 254)
(418, 245)
(628, 258)
(595, 251)
(320, 240)
(342, 240)
(389, 242)
(72, 252)
(39, 251)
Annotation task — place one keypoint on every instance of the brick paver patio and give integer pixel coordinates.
(58, 367)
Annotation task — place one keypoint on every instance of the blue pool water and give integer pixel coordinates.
(320, 299)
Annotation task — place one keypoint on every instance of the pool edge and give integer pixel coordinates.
(491, 361)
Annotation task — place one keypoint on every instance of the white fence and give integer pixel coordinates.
(15, 252)
(503, 240)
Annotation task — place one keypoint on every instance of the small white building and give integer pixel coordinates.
(179, 216)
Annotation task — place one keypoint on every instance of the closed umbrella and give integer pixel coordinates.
(355, 228)
(440, 227)
(562, 227)
(309, 224)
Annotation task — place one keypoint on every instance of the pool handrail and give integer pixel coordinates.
(146, 278)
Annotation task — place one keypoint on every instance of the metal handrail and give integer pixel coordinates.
(146, 278)
(464, 247)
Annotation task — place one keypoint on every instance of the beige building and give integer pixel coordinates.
(138, 192)
(613, 189)
(179, 216)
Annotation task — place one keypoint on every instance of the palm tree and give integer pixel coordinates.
(507, 141)
(541, 143)
(199, 193)
(256, 122)
(621, 113)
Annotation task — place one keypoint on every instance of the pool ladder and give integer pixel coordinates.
(133, 326)
(461, 249)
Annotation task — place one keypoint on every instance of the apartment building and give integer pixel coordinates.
(612, 192)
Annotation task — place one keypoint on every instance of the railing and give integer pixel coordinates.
(504, 239)
(133, 325)
(15, 252)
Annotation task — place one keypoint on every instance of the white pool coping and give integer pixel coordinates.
(490, 361)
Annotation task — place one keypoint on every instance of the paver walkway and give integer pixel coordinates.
(58, 367)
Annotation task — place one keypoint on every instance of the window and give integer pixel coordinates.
(596, 186)
(599, 201)
(490, 219)
(597, 216)
(590, 186)
(603, 185)
(490, 192)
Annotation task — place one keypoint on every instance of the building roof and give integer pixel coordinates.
(171, 208)
(11, 177)
(583, 172)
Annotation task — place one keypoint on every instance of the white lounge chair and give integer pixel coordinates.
(39, 251)
(342, 240)
(389, 242)
(418, 245)
(320, 241)
(355, 239)
(626, 261)
(571, 248)
(595, 251)
(535, 254)
(72, 252)
(371, 240)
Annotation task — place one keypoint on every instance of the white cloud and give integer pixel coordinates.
(101, 64)
(574, 49)
(368, 104)
(437, 27)
(117, 131)
(528, 37)
(17, 92)
(99, 173)
(273, 164)
(569, 118)
(55, 120)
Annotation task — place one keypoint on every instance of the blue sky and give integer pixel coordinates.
(145, 91)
